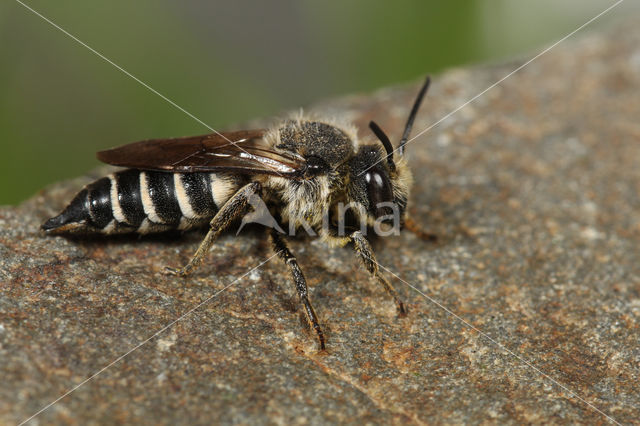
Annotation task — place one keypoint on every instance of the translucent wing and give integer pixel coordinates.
(243, 152)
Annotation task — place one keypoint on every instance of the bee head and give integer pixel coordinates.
(381, 187)
(382, 183)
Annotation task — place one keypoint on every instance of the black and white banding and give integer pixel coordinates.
(145, 201)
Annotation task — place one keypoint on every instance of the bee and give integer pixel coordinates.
(302, 169)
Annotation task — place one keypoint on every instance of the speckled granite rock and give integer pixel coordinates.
(534, 189)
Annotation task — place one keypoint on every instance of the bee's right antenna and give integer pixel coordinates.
(385, 141)
(412, 115)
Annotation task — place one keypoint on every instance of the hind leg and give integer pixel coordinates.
(233, 209)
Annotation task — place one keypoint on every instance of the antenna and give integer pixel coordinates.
(385, 141)
(412, 115)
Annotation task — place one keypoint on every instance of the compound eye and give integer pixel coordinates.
(379, 191)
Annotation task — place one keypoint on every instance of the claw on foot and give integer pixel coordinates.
(180, 272)
(402, 312)
(322, 347)
(320, 339)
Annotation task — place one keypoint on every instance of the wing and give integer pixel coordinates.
(241, 152)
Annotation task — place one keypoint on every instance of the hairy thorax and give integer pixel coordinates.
(303, 202)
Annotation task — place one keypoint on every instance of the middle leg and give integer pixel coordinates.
(280, 247)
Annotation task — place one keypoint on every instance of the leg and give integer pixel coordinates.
(412, 226)
(235, 207)
(363, 248)
(301, 284)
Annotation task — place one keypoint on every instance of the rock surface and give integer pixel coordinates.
(534, 191)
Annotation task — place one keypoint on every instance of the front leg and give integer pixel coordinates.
(414, 227)
(234, 208)
(280, 247)
(364, 250)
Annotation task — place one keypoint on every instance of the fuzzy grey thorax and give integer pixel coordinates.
(321, 140)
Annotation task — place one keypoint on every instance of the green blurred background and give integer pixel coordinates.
(227, 62)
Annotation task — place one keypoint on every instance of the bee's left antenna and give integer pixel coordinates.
(385, 141)
(412, 115)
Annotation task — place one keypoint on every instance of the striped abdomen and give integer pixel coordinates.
(145, 201)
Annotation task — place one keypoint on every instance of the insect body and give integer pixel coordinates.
(304, 171)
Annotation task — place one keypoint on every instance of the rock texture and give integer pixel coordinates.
(534, 191)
